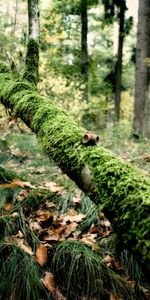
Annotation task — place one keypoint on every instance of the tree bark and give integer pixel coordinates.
(31, 72)
(146, 125)
(84, 47)
(118, 75)
(33, 16)
(122, 192)
(142, 53)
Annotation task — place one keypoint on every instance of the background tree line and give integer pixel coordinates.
(55, 242)
(77, 45)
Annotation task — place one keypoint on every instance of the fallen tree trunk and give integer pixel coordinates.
(122, 191)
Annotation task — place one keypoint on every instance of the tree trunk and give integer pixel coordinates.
(15, 19)
(119, 61)
(33, 15)
(146, 125)
(122, 192)
(142, 53)
(84, 47)
(31, 72)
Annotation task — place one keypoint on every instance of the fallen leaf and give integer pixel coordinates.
(19, 182)
(94, 229)
(76, 201)
(49, 282)
(52, 186)
(22, 195)
(35, 226)
(71, 216)
(19, 235)
(44, 215)
(49, 204)
(11, 164)
(115, 297)
(7, 206)
(59, 295)
(41, 170)
(54, 237)
(112, 263)
(16, 182)
(106, 223)
(41, 254)
(89, 239)
(15, 214)
(22, 243)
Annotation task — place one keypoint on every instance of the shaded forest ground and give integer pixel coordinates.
(70, 216)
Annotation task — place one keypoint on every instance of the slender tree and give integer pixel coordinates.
(118, 75)
(142, 68)
(117, 8)
(84, 46)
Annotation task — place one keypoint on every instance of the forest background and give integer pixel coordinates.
(81, 78)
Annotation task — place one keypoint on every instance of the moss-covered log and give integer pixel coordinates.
(122, 191)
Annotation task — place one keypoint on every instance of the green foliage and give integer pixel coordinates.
(21, 273)
(82, 272)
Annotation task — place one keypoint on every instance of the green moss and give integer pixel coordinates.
(32, 62)
(4, 68)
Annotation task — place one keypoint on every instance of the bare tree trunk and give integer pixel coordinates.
(15, 19)
(33, 15)
(84, 47)
(146, 124)
(142, 53)
(119, 61)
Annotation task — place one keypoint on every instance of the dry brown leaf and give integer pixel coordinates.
(11, 164)
(95, 247)
(59, 295)
(60, 230)
(112, 263)
(52, 186)
(16, 182)
(106, 223)
(35, 226)
(76, 201)
(19, 235)
(71, 216)
(145, 291)
(7, 206)
(94, 229)
(54, 237)
(41, 170)
(15, 214)
(49, 204)
(22, 243)
(115, 297)
(44, 215)
(41, 254)
(22, 195)
(49, 282)
(19, 182)
(89, 239)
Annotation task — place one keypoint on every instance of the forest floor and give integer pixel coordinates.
(20, 152)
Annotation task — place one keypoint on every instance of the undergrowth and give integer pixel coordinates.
(81, 247)
(83, 253)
